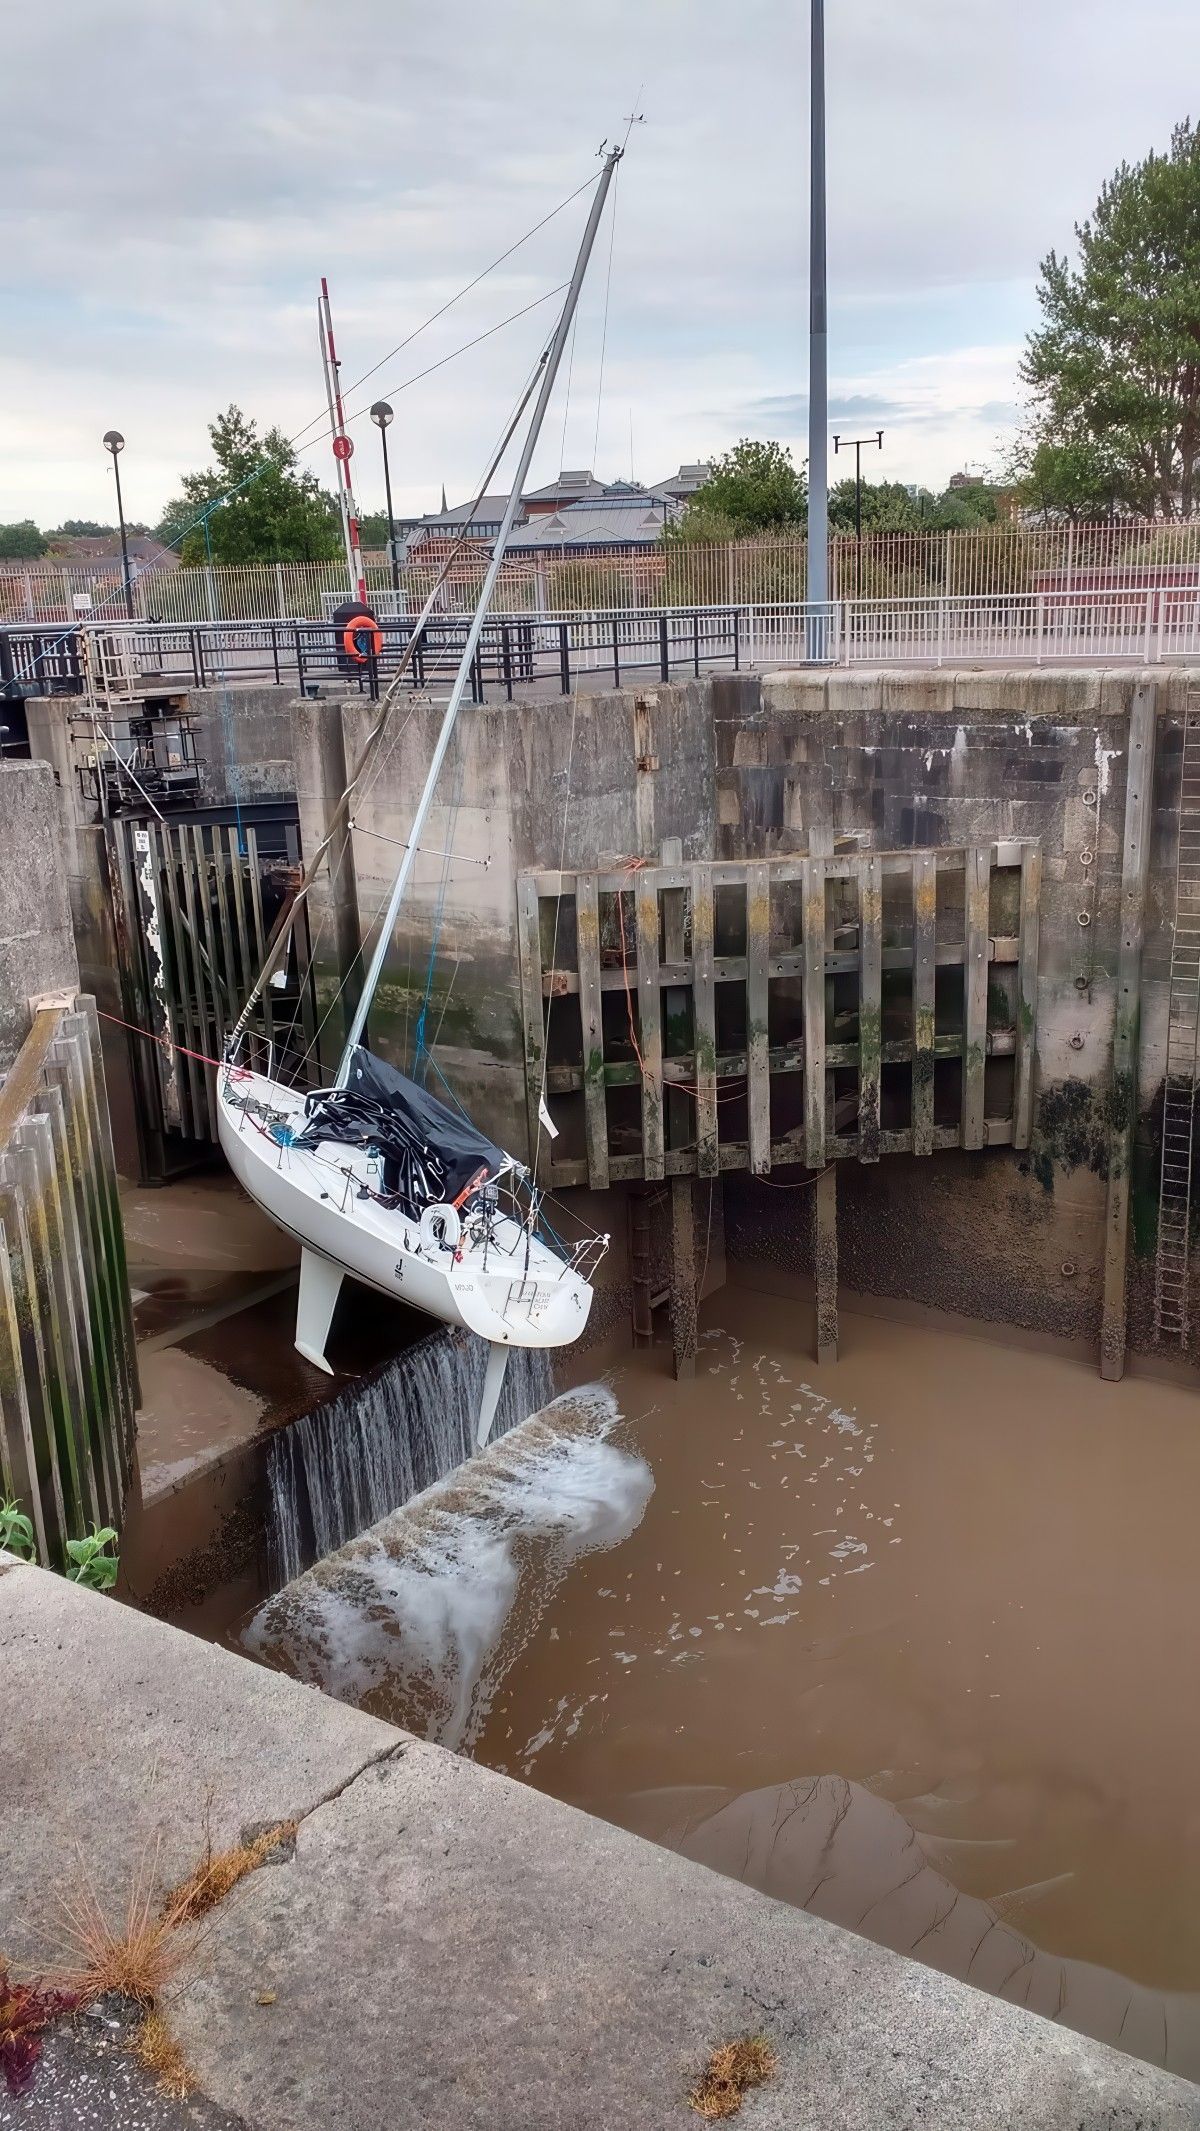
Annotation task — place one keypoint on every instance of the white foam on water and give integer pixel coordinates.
(421, 1617)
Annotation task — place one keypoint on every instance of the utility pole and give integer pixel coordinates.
(874, 443)
(818, 352)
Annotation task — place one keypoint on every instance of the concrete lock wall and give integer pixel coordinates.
(744, 767)
(37, 947)
(741, 767)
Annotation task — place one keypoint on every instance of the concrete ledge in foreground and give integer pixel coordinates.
(451, 1949)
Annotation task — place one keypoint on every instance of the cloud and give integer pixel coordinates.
(177, 180)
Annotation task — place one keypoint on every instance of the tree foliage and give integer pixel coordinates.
(752, 489)
(1114, 367)
(266, 508)
(21, 540)
(890, 507)
(1072, 483)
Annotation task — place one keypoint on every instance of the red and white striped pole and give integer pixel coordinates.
(343, 446)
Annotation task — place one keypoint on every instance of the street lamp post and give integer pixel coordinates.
(874, 443)
(381, 415)
(114, 442)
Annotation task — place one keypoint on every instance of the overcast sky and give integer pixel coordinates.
(176, 180)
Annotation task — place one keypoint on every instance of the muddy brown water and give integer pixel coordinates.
(908, 1640)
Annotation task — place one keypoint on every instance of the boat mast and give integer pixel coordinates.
(420, 816)
(343, 445)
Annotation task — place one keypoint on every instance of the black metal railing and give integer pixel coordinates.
(560, 652)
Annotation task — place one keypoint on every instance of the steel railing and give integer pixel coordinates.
(768, 569)
(1144, 624)
(558, 650)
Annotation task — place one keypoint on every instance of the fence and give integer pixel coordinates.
(1144, 624)
(68, 1372)
(557, 649)
(972, 562)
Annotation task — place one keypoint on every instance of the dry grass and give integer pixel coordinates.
(155, 2046)
(729, 2074)
(136, 1956)
(140, 1954)
(219, 1872)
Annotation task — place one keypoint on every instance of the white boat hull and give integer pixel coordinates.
(513, 1290)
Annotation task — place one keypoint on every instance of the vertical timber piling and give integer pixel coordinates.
(825, 1263)
(1135, 866)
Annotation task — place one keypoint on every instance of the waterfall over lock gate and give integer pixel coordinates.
(386, 1437)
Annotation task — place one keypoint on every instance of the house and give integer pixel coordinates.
(102, 551)
(619, 520)
(576, 513)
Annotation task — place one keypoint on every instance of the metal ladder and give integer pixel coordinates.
(1183, 1029)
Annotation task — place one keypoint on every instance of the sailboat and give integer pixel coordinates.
(374, 1176)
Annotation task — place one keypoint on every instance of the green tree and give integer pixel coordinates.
(890, 507)
(1072, 483)
(887, 507)
(21, 540)
(373, 531)
(267, 508)
(1115, 364)
(752, 489)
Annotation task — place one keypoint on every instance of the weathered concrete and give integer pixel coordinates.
(449, 1948)
(37, 948)
(748, 768)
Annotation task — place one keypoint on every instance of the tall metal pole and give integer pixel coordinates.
(818, 357)
(381, 415)
(551, 361)
(124, 543)
(114, 444)
(343, 446)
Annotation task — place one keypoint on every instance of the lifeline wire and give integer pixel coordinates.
(255, 471)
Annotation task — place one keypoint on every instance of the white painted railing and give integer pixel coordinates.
(762, 571)
(1145, 624)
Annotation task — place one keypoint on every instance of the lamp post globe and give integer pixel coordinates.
(114, 443)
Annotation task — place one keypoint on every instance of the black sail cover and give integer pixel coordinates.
(431, 1151)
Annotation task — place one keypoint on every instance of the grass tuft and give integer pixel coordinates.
(729, 2075)
(137, 1956)
(155, 2047)
(219, 1872)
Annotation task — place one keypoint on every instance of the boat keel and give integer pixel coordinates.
(493, 1385)
(320, 1286)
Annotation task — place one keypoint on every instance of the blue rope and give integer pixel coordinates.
(445, 1083)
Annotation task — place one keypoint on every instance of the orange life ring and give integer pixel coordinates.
(354, 629)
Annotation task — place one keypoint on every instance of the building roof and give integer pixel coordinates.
(488, 511)
(609, 522)
(617, 511)
(569, 487)
(684, 483)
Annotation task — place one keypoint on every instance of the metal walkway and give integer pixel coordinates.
(1183, 1028)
